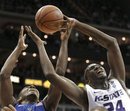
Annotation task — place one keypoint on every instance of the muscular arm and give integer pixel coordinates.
(114, 56)
(6, 85)
(54, 94)
(69, 88)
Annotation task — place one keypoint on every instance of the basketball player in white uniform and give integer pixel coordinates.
(109, 92)
(101, 90)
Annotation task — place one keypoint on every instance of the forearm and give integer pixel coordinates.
(53, 97)
(54, 94)
(99, 36)
(6, 92)
(46, 64)
(62, 59)
(5, 81)
(10, 63)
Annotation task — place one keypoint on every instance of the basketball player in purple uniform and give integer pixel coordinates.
(29, 96)
(101, 90)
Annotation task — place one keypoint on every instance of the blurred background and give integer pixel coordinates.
(110, 16)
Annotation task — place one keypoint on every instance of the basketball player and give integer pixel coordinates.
(29, 96)
(101, 90)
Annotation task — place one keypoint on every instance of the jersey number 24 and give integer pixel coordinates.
(110, 107)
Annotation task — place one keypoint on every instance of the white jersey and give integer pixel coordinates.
(113, 99)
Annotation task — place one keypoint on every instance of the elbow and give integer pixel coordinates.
(50, 77)
(2, 75)
(112, 44)
(60, 71)
(4, 71)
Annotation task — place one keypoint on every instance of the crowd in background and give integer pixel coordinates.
(108, 13)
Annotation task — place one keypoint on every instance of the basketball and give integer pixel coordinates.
(48, 19)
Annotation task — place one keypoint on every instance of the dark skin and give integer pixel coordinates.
(95, 73)
(96, 76)
(54, 94)
(98, 108)
(114, 55)
(9, 108)
(6, 84)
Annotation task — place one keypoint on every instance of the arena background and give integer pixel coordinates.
(110, 16)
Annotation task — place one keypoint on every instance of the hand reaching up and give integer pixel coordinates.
(34, 37)
(21, 42)
(65, 33)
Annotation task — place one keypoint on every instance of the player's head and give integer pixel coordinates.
(95, 72)
(29, 93)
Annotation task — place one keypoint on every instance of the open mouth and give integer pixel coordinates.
(99, 72)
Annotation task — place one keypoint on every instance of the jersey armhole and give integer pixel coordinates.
(44, 105)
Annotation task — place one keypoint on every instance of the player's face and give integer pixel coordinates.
(30, 91)
(95, 71)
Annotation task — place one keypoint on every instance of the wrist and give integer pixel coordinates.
(73, 21)
(64, 41)
(18, 48)
(40, 43)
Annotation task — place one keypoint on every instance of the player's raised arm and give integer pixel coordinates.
(54, 94)
(5, 73)
(65, 85)
(108, 42)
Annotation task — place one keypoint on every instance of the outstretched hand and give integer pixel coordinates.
(70, 20)
(10, 108)
(65, 33)
(63, 24)
(21, 42)
(34, 37)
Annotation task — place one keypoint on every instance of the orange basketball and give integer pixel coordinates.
(47, 19)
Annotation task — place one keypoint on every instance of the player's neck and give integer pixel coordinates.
(100, 84)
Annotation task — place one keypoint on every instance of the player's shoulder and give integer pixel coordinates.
(113, 81)
(117, 82)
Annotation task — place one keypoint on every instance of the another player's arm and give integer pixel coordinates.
(9, 108)
(115, 59)
(69, 88)
(54, 94)
(5, 73)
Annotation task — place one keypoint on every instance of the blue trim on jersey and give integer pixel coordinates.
(30, 107)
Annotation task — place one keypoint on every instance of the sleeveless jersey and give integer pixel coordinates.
(113, 99)
(30, 107)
